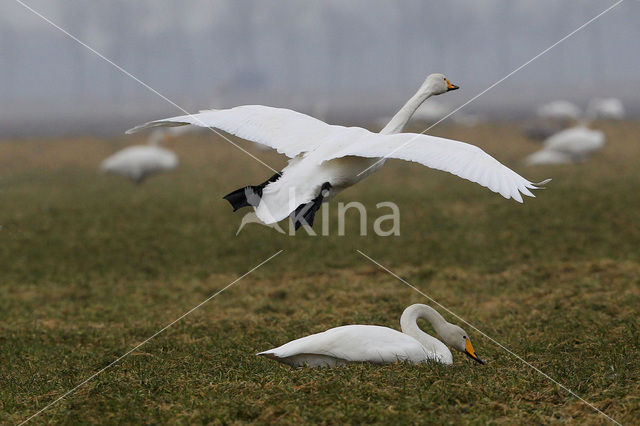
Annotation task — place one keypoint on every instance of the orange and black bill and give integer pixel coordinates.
(451, 86)
(468, 350)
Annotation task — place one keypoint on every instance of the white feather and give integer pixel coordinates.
(287, 131)
(353, 343)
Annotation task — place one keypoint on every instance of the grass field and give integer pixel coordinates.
(90, 265)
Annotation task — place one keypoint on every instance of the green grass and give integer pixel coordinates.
(90, 265)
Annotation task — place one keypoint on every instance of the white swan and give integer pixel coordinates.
(546, 156)
(569, 145)
(560, 110)
(139, 161)
(607, 108)
(376, 344)
(326, 159)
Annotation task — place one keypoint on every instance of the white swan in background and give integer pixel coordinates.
(608, 108)
(378, 345)
(326, 159)
(570, 145)
(560, 111)
(545, 156)
(139, 161)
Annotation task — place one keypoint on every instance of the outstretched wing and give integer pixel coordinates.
(287, 131)
(292, 133)
(459, 158)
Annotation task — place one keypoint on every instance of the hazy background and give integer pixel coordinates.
(344, 59)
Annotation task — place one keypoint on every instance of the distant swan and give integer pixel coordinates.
(139, 161)
(378, 345)
(563, 111)
(569, 145)
(607, 108)
(326, 159)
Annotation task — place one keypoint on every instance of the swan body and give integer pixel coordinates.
(608, 108)
(569, 145)
(376, 344)
(560, 110)
(356, 343)
(325, 159)
(139, 161)
(576, 141)
(547, 157)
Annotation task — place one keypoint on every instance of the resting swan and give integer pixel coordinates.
(326, 159)
(607, 108)
(139, 161)
(378, 345)
(562, 111)
(574, 144)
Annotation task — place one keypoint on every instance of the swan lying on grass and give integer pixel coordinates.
(574, 144)
(139, 161)
(607, 108)
(326, 159)
(562, 111)
(378, 345)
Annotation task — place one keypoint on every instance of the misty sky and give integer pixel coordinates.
(345, 55)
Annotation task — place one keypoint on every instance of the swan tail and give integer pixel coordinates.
(305, 213)
(248, 195)
(269, 354)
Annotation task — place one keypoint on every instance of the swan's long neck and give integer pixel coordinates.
(410, 316)
(401, 118)
(409, 324)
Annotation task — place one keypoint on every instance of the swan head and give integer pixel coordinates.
(456, 337)
(451, 335)
(437, 84)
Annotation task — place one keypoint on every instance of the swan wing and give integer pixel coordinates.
(356, 343)
(461, 159)
(289, 132)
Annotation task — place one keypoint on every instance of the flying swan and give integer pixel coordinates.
(378, 345)
(326, 159)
